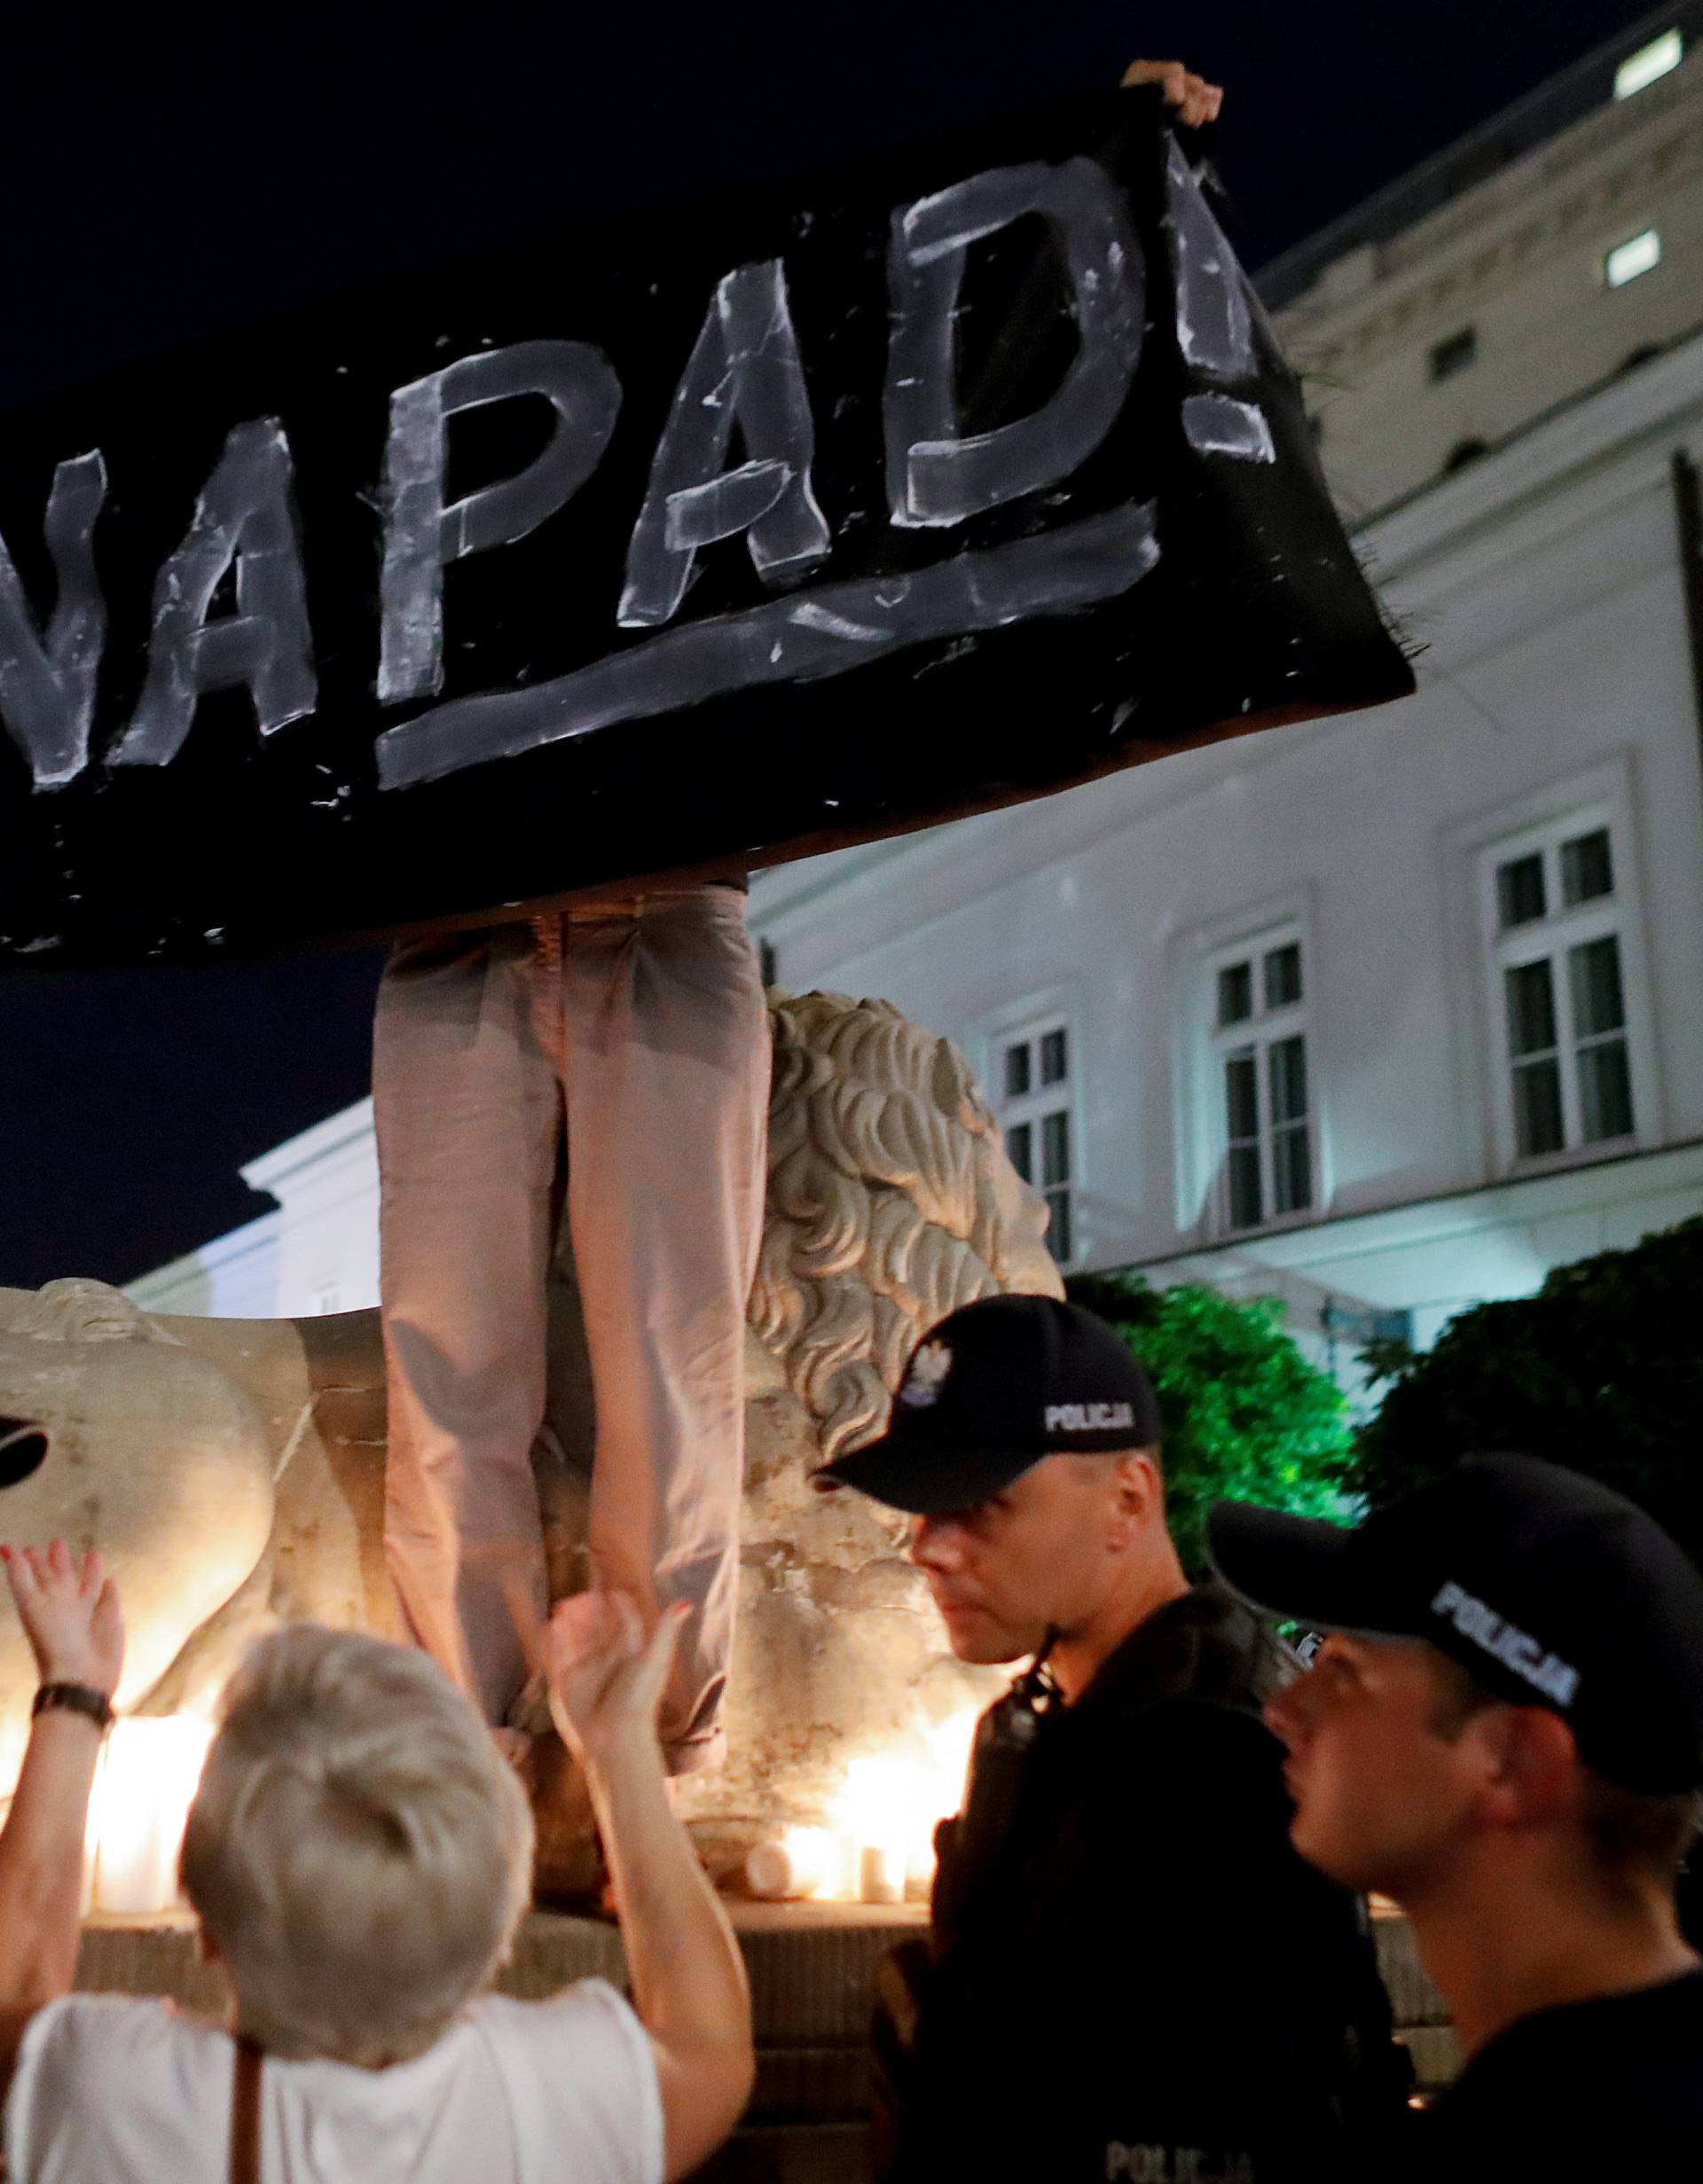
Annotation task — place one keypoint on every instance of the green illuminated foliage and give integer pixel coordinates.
(1245, 1415)
(1601, 1370)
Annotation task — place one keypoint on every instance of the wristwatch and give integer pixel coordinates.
(76, 1699)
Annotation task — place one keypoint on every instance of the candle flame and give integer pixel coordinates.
(888, 1803)
(148, 1776)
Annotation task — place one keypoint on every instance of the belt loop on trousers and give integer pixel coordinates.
(547, 933)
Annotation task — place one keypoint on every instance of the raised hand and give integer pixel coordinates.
(70, 1614)
(605, 1680)
(1195, 100)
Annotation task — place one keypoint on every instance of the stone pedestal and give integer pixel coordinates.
(1421, 2016)
(811, 1969)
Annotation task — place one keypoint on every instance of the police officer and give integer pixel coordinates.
(1504, 1732)
(1131, 1973)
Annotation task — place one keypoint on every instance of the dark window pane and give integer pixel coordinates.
(1286, 1074)
(1604, 1091)
(1454, 354)
(1537, 1109)
(1520, 891)
(1531, 1008)
(1587, 868)
(1594, 971)
(1291, 1171)
(1016, 1071)
(1242, 1169)
(1283, 976)
(1241, 1095)
(1056, 1148)
(1055, 1057)
(1019, 1144)
(1235, 993)
(1059, 1239)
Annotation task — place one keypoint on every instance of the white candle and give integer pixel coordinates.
(148, 1776)
(768, 1873)
(880, 1873)
(801, 1864)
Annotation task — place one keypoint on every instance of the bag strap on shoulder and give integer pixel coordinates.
(245, 2113)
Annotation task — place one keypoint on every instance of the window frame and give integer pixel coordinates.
(1027, 1023)
(1262, 1030)
(1613, 282)
(1455, 353)
(1552, 938)
(1650, 62)
(1192, 957)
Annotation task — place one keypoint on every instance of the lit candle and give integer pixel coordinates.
(148, 1776)
(801, 1864)
(880, 1873)
(884, 1809)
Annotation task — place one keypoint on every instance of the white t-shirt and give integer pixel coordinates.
(111, 2091)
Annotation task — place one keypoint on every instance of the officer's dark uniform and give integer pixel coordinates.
(1132, 1973)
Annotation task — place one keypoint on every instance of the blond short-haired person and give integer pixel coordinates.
(359, 1856)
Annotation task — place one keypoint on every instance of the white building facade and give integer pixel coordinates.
(316, 1251)
(1388, 1012)
(1383, 1015)
(1538, 256)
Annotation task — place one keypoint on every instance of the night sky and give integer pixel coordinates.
(167, 180)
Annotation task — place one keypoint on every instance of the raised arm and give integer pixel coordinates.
(688, 1978)
(70, 1615)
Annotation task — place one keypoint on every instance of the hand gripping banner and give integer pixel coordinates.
(801, 519)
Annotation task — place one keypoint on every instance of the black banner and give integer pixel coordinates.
(950, 481)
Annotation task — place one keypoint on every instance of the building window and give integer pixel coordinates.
(1454, 354)
(1033, 1078)
(1649, 64)
(1558, 989)
(1640, 254)
(1259, 1035)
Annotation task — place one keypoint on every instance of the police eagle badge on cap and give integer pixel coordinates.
(925, 1376)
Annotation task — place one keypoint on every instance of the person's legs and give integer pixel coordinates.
(667, 1074)
(467, 1105)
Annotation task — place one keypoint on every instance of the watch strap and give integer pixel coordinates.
(76, 1699)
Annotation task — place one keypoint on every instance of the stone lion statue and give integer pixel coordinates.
(231, 1471)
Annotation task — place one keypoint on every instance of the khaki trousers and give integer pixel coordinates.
(613, 1064)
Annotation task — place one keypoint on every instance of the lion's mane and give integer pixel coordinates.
(883, 1208)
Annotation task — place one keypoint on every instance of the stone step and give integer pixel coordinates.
(1413, 1998)
(798, 2154)
(811, 2085)
(1436, 2054)
(1421, 2016)
(811, 1968)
